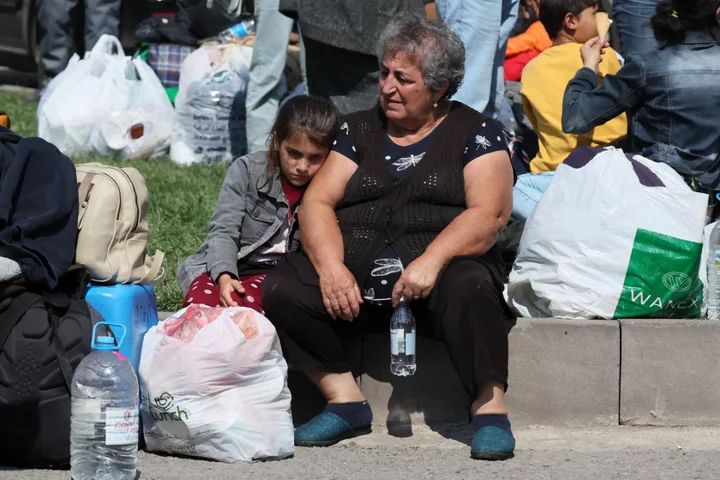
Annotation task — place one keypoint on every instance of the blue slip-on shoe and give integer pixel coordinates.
(326, 429)
(492, 443)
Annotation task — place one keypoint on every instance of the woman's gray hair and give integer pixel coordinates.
(440, 51)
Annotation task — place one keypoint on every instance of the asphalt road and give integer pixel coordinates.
(552, 454)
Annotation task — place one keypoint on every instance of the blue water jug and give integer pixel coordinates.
(132, 306)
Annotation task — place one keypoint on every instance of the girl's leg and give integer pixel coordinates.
(203, 291)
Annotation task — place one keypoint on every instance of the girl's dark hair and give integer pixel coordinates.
(673, 19)
(315, 117)
(553, 13)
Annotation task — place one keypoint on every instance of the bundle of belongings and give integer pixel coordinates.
(214, 386)
(45, 325)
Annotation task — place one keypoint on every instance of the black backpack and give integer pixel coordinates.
(43, 338)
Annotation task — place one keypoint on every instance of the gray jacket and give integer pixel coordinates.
(354, 25)
(251, 208)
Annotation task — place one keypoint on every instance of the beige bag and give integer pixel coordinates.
(112, 226)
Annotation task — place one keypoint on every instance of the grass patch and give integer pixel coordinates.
(181, 199)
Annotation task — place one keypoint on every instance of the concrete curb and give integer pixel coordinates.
(563, 373)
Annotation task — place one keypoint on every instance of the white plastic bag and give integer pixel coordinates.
(603, 243)
(85, 93)
(210, 106)
(149, 111)
(214, 385)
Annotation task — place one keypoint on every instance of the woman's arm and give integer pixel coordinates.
(585, 106)
(322, 240)
(488, 196)
(226, 222)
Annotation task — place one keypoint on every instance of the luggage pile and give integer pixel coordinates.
(182, 93)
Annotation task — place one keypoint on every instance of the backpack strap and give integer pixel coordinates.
(156, 273)
(19, 306)
(83, 194)
(57, 305)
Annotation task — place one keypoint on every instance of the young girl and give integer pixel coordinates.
(253, 222)
(671, 94)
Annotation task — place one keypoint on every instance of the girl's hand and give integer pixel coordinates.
(417, 280)
(228, 285)
(340, 292)
(592, 53)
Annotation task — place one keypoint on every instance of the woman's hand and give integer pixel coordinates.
(228, 285)
(418, 279)
(340, 292)
(592, 53)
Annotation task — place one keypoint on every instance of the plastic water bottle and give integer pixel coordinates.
(402, 341)
(713, 274)
(239, 30)
(104, 418)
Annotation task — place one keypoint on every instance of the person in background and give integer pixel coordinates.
(339, 39)
(57, 43)
(253, 224)
(632, 18)
(529, 42)
(409, 204)
(484, 27)
(570, 23)
(266, 86)
(672, 94)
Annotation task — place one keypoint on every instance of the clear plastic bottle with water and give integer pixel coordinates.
(104, 419)
(713, 274)
(239, 30)
(402, 341)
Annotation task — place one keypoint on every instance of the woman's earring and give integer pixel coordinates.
(435, 105)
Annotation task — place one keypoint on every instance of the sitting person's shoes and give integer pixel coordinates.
(339, 421)
(493, 439)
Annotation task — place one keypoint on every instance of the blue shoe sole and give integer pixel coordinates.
(327, 443)
(491, 456)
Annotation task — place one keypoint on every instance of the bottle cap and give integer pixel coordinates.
(108, 341)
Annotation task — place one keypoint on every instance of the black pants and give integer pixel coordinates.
(466, 311)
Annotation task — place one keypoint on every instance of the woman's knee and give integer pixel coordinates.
(466, 280)
(279, 292)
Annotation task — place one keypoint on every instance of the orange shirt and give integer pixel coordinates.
(535, 39)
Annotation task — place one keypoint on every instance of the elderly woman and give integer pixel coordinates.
(408, 205)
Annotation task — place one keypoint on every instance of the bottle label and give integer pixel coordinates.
(121, 426)
(397, 341)
(410, 343)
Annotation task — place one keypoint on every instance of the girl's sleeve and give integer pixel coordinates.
(585, 106)
(226, 222)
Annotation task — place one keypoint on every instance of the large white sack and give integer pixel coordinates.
(93, 104)
(87, 91)
(220, 396)
(574, 259)
(210, 119)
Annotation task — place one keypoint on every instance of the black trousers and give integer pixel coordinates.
(466, 311)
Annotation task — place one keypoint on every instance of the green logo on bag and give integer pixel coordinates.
(662, 278)
(163, 409)
(677, 282)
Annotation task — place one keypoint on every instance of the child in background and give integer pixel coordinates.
(253, 222)
(672, 94)
(570, 23)
(530, 42)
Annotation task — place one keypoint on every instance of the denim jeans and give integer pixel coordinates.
(632, 18)
(484, 27)
(57, 45)
(527, 192)
(267, 82)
